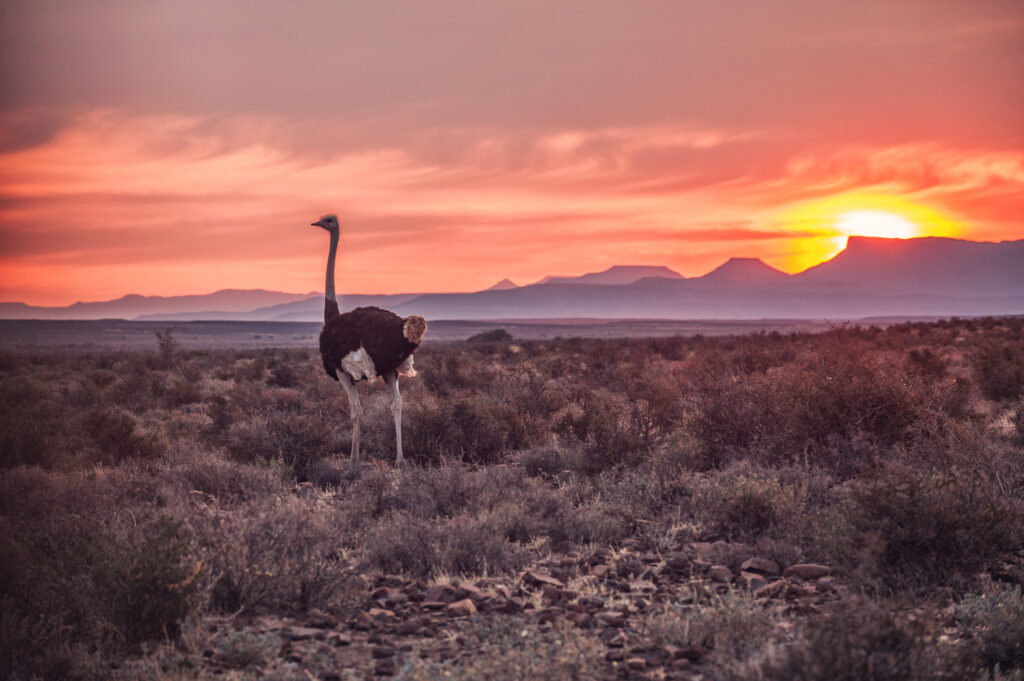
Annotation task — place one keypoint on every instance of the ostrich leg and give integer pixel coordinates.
(396, 410)
(355, 409)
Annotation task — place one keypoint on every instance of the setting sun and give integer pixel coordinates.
(876, 223)
(822, 227)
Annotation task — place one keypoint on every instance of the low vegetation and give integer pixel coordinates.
(845, 505)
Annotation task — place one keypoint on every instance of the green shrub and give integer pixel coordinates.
(992, 624)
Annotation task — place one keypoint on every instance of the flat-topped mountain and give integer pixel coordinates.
(931, 265)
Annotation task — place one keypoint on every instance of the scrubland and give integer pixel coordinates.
(845, 505)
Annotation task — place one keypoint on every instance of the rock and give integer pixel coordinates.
(761, 565)
(720, 574)
(380, 614)
(825, 585)
(385, 667)
(535, 578)
(600, 571)
(552, 593)
(611, 619)
(615, 655)
(296, 633)
(807, 571)
(320, 620)
(440, 593)
(462, 608)
(379, 652)
(472, 591)
(752, 581)
(408, 627)
(637, 664)
(338, 638)
(772, 590)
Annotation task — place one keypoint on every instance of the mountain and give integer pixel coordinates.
(132, 306)
(503, 285)
(871, 277)
(928, 265)
(744, 272)
(616, 275)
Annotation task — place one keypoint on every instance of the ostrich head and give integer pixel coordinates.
(328, 222)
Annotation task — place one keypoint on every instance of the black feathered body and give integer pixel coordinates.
(379, 332)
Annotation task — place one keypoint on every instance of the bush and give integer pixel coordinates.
(744, 507)
(862, 642)
(930, 529)
(992, 624)
(460, 546)
(31, 425)
(283, 556)
(492, 336)
(112, 436)
(999, 370)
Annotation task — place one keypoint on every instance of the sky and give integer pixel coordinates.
(166, 148)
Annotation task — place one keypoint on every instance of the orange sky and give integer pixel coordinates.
(172, 148)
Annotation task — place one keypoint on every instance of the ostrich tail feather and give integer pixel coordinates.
(413, 328)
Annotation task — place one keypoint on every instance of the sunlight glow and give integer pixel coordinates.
(876, 223)
(821, 227)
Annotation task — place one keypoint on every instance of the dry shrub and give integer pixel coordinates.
(475, 428)
(105, 585)
(284, 555)
(992, 625)
(839, 407)
(512, 649)
(598, 421)
(31, 425)
(406, 544)
(998, 368)
(228, 482)
(861, 641)
(745, 505)
(111, 436)
(912, 530)
(298, 439)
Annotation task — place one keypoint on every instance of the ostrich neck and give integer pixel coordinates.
(330, 298)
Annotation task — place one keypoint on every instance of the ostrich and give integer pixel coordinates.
(366, 343)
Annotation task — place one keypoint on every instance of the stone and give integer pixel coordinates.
(760, 565)
(752, 581)
(379, 652)
(825, 585)
(379, 614)
(720, 574)
(441, 593)
(600, 571)
(462, 608)
(472, 591)
(772, 590)
(296, 633)
(807, 571)
(536, 578)
(385, 667)
(637, 664)
(551, 593)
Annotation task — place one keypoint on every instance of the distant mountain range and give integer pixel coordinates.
(871, 277)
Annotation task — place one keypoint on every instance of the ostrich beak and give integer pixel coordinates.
(318, 223)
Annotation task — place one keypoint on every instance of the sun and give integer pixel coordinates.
(821, 227)
(876, 223)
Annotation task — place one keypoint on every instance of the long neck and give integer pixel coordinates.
(330, 298)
